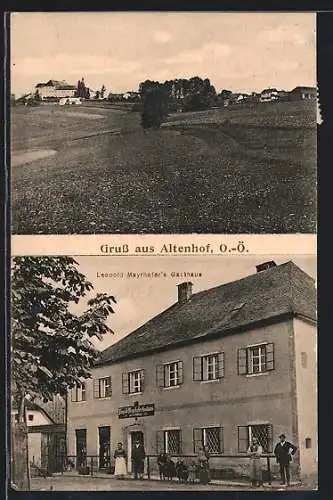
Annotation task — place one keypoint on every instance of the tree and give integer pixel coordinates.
(155, 108)
(102, 92)
(97, 95)
(51, 345)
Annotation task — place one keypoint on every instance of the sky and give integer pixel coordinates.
(242, 52)
(140, 299)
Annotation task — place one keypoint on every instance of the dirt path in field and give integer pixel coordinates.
(22, 157)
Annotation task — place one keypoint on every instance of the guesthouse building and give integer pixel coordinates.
(215, 368)
(54, 89)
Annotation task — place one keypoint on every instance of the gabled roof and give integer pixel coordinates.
(280, 290)
(268, 90)
(56, 83)
(30, 405)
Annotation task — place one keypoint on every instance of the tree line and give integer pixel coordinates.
(193, 93)
(172, 95)
(84, 92)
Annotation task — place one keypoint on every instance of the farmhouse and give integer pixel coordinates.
(46, 433)
(55, 89)
(216, 368)
(268, 95)
(303, 93)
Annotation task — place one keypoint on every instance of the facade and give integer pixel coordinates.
(303, 93)
(55, 89)
(215, 368)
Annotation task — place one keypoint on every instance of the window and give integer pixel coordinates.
(169, 441)
(102, 388)
(133, 382)
(170, 374)
(256, 359)
(79, 392)
(30, 417)
(208, 367)
(263, 432)
(307, 442)
(211, 437)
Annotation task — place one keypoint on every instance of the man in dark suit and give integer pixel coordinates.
(283, 452)
(138, 459)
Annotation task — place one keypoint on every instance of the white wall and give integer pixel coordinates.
(305, 336)
(39, 418)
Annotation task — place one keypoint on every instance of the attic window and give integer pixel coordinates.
(30, 417)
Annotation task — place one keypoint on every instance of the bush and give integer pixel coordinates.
(155, 108)
(137, 107)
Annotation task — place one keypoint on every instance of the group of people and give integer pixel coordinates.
(138, 460)
(283, 452)
(185, 472)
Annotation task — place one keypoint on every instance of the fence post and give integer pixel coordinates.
(269, 470)
(148, 467)
(91, 466)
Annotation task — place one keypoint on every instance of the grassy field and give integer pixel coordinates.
(242, 170)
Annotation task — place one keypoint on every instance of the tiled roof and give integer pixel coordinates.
(56, 83)
(280, 290)
(268, 90)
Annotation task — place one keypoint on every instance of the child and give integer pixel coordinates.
(192, 472)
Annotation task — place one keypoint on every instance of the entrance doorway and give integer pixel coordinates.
(133, 437)
(81, 447)
(104, 437)
(137, 436)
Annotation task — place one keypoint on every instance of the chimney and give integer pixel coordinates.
(184, 292)
(265, 265)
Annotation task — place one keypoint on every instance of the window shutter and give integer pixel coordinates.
(242, 361)
(243, 438)
(220, 365)
(83, 391)
(125, 383)
(180, 443)
(197, 368)
(109, 388)
(96, 388)
(142, 375)
(160, 375)
(73, 394)
(270, 357)
(197, 440)
(270, 438)
(180, 368)
(221, 440)
(160, 447)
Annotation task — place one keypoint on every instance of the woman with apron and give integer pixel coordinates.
(255, 451)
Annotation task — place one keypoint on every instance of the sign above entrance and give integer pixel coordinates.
(136, 411)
